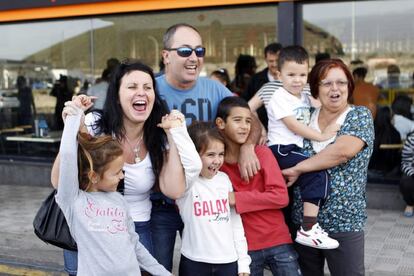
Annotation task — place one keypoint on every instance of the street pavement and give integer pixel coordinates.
(389, 248)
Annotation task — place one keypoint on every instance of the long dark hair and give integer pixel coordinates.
(110, 121)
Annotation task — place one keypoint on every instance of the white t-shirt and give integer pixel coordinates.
(318, 146)
(139, 180)
(213, 232)
(281, 105)
(403, 125)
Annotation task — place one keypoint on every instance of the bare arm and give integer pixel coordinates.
(344, 149)
(255, 103)
(307, 132)
(54, 175)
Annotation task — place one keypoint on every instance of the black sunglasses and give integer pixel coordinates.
(187, 51)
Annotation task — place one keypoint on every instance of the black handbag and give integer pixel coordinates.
(50, 225)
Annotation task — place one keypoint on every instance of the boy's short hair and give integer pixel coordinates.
(225, 106)
(294, 53)
(272, 48)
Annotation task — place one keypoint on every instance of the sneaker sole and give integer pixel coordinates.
(314, 246)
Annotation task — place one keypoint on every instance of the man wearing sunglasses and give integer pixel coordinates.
(197, 98)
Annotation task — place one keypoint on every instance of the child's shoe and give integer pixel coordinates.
(316, 238)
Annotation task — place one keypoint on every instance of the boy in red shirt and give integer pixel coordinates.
(259, 201)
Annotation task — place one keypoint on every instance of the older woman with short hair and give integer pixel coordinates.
(345, 157)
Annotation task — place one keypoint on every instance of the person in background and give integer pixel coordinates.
(407, 180)
(385, 161)
(322, 56)
(221, 75)
(365, 93)
(27, 108)
(345, 157)
(402, 118)
(271, 54)
(182, 88)
(63, 93)
(100, 89)
(244, 69)
(259, 201)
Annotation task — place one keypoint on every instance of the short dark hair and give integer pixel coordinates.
(222, 75)
(272, 48)
(402, 105)
(320, 70)
(294, 53)
(202, 133)
(225, 106)
(322, 56)
(360, 72)
(169, 33)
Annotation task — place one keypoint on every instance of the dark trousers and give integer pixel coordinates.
(165, 222)
(192, 268)
(314, 186)
(407, 189)
(346, 260)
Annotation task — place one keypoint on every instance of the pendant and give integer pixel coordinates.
(137, 159)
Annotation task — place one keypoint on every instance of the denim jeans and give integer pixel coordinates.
(192, 268)
(143, 228)
(282, 260)
(165, 222)
(70, 259)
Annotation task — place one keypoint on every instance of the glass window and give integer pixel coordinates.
(44, 51)
(379, 33)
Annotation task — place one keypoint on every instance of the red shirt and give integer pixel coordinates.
(260, 200)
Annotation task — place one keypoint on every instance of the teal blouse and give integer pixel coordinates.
(345, 207)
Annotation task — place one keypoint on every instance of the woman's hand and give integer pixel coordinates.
(243, 274)
(172, 120)
(291, 175)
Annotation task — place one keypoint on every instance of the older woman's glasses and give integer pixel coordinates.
(187, 51)
(329, 84)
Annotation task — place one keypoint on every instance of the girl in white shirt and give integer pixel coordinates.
(213, 240)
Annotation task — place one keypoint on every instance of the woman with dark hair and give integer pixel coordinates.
(131, 113)
(245, 68)
(345, 157)
(385, 161)
(221, 75)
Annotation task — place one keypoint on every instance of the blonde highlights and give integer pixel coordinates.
(94, 154)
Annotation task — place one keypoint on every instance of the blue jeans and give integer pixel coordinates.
(165, 222)
(192, 268)
(282, 260)
(143, 228)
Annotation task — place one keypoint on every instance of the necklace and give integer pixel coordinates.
(135, 150)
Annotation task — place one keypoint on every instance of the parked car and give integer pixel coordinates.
(8, 99)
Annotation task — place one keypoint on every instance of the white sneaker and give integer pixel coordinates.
(316, 238)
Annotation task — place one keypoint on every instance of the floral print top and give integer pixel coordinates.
(344, 208)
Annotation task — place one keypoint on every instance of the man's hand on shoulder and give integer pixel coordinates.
(249, 164)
